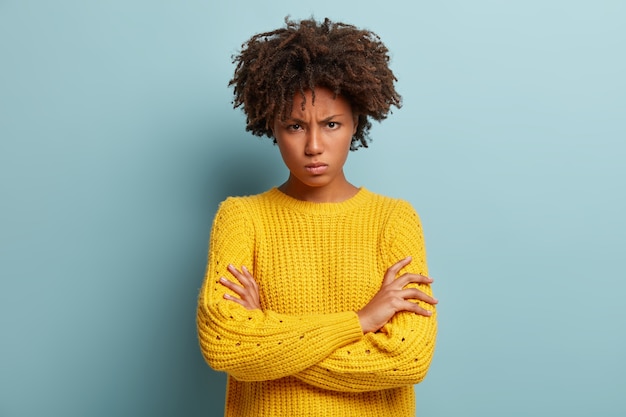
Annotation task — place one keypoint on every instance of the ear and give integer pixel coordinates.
(355, 119)
(270, 127)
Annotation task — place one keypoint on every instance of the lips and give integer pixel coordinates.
(317, 168)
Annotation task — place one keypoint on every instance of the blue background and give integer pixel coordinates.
(118, 140)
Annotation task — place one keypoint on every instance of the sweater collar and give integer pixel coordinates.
(289, 202)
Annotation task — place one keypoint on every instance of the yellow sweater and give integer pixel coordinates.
(304, 353)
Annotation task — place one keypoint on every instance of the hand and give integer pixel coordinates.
(248, 291)
(394, 297)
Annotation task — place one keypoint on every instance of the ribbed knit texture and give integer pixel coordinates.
(304, 353)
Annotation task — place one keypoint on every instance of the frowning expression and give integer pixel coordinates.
(314, 141)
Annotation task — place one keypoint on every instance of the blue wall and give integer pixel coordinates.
(117, 141)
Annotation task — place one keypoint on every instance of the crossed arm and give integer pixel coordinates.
(359, 366)
(392, 298)
(389, 342)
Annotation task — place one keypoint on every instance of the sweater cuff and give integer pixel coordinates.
(342, 328)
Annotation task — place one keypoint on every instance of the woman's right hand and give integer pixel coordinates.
(394, 297)
(248, 291)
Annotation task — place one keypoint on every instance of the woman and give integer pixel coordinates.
(316, 299)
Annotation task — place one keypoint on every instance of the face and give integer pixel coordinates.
(314, 144)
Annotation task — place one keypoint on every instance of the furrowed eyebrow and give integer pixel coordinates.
(302, 122)
(330, 118)
(291, 120)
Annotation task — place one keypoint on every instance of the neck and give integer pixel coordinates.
(336, 193)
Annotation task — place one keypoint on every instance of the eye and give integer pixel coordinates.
(294, 127)
(333, 125)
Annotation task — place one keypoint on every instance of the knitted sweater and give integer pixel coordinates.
(304, 353)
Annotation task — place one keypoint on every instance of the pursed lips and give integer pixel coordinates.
(316, 167)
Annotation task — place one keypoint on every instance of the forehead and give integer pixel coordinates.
(320, 101)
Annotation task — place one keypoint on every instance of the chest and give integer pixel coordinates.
(322, 266)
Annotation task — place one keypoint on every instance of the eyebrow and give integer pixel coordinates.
(326, 120)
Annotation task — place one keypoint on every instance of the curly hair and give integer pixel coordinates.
(273, 66)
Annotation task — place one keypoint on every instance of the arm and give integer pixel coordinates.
(400, 353)
(255, 345)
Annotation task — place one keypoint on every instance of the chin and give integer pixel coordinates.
(316, 182)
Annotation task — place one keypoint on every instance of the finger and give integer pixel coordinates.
(406, 279)
(415, 294)
(237, 289)
(410, 278)
(235, 299)
(252, 287)
(241, 277)
(416, 308)
(393, 270)
(249, 276)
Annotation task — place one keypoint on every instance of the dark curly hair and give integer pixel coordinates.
(351, 62)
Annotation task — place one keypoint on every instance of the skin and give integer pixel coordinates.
(320, 134)
(314, 143)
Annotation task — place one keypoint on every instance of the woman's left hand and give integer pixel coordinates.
(248, 291)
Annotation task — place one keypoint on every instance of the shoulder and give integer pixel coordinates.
(245, 201)
(398, 218)
(243, 207)
(238, 215)
(393, 207)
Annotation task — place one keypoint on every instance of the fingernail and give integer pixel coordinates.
(222, 279)
(243, 268)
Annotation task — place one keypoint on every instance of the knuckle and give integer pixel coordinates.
(417, 293)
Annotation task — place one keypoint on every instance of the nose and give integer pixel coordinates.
(314, 145)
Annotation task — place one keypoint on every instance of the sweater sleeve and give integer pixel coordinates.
(255, 345)
(401, 352)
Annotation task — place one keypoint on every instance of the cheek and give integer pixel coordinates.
(286, 153)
